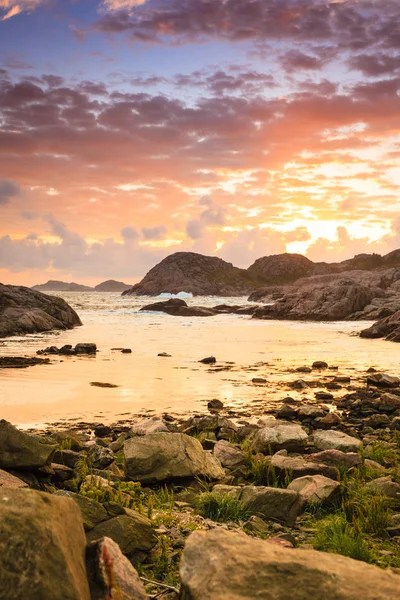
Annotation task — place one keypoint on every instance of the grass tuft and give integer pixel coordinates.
(221, 508)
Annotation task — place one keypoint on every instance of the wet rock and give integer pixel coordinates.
(19, 450)
(164, 354)
(316, 489)
(209, 360)
(336, 440)
(42, 547)
(259, 380)
(85, 348)
(287, 411)
(383, 380)
(324, 396)
(389, 403)
(331, 419)
(319, 364)
(229, 455)
(21, 362)
(299, 384)
(304, 369)
(377, 421)
(100, 457)
(299, 466)
(309, 411)
(149, 426)
(162, 457)
(110, 573)
(279, 435)
(102, 431)
(126, 351)
(131, 531)
(226, 565)
(215, 405)
(10, 481)
(179, 308)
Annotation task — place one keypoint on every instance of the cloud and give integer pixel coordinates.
(11, 8)
(154, 233)
(129, 233)
(8, 190)
(213, 214)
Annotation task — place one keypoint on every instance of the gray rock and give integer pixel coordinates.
(230, 456)
(385, 486)
(271, 503)
(162, 457)
(10, 481)
(120, 582)
(101, 457)
(389, 403)
(279, 435)
(336, 440)
(298, 466)
(226, 565)
(316, 489)
(309, 411)
(336, 458)
(148, 426)
(26, 311)
(42, 547)
(92, 512)
(19, 450)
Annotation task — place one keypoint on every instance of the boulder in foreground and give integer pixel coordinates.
(42, 547)
(20, 450)
(23, 310)
(225, 565)
(162, 457)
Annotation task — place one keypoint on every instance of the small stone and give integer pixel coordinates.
(304, 369)
(209, 360)
(299, 384)
(126, 351)
(324, 396)
(259, 380)
(164, 354)
(102, 431)
(85, 348)
(215, 405)
(319, 364)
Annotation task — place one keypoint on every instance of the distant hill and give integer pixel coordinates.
(112, 286)
(208, 275)
(61, 286)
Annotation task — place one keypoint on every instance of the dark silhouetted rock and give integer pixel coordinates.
(61, 286)
(112, 286)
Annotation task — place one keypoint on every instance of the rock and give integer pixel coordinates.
(26, 311)
(309, 411)
(61, 286)
(215, 423)
(299, 384)
(287, 411)
(316, 489)
(336, 458)
(21, 362)
(209, 360)
(304, 369)
(42, 547)
(383, 380)
(196, 274)
(389, 403)
(336, 440)
(256, 525)
(162, 457)
(179, 308)
(149, 426)
(164, 354)
(279, 435)
(111, 575)
(10, 481)
(271, 503)
(298, 466)
(215, 405)
(226, 565)
(259, 380)
(67, 437)
(324, 396)
(388, 327)
(131, 531)
(376, 421)
(395, 424)
(320, 364)
(69, 458)
(331, 419)
(112, 286)
(102, 431)
(100, 457)
(385, 486)
(229, 455)
(92, 512)
(19, 450)
(85, 348)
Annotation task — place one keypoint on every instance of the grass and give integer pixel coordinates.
(221, 508)
(383, 453)
(335, 534)
(127, 494)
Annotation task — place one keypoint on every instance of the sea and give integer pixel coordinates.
(147, 384)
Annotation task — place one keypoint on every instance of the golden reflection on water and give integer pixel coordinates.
(149, 384)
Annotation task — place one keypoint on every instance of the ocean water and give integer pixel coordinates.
(148, 384)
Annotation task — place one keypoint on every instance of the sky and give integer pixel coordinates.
(132, 129)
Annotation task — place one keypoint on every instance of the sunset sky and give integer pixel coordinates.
(131, 129)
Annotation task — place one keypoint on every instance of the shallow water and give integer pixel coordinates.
(149, 384)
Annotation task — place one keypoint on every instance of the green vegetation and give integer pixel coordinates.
(221, 507)
(335, 534)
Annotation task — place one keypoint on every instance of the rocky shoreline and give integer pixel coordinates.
(164, 507)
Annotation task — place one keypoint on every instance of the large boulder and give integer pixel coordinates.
(92, 512)
(336, 440)
(148, 426)
(111, 575)
(179, 308)
(23, 310)
(336, 458)
(279, 435)
(162, 457)
(19, 450)
(230, 456)
(225, 565)
(42, 547)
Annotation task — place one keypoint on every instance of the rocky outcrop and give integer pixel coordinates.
(112, 286)
(19, 450)
(179, 308)
(281, 268)
(388, 328)
(224, 565)
(23, 310)
(162, 457)
(196, 274)
(61, 286)
(42, 547)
